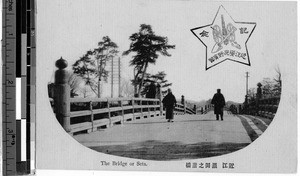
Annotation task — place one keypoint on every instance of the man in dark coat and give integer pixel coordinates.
(219, 102)
(151, 91)
(169, 102)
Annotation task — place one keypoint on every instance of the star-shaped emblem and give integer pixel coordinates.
(225, 39)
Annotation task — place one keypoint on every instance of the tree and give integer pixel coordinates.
(85, 68)
(252, 93)
(278, 83)
(106, 51)
(91, 66)
(158, 78)
(267, 87)
(147, 46)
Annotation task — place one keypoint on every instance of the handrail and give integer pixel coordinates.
(89, 114)
(264, 107)
(85, 100)
(137, 107)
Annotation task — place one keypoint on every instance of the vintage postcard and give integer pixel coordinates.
(180, 86)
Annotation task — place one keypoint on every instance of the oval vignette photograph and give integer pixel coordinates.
(155, 90)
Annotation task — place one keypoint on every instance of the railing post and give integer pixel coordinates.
(62, 94)
(109, 115)
(92, 116)
(133, 109)
(141, 104)
(148, 102)
(122, 112)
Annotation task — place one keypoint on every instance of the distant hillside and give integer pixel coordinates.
(199, 104)
(202, 103)
(229, 103)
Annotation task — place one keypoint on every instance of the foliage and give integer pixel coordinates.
(278, 83)
(85, 68)
(158, 78)
(91, 67)
(267, 87)
(252, 93)
(106, 50)
(270, 87)
(146, 46)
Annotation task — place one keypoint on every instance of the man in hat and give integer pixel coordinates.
(169, 102)
(219, 102)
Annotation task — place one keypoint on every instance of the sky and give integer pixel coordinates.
(71, 27)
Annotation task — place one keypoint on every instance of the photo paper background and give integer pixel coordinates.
(64, 28)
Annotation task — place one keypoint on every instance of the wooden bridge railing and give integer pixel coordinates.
(265, 107)
(261, 106)
(181, 109)
(78, 115)
(89, 115)
(205, 109)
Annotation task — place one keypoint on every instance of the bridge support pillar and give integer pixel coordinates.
(62, 94)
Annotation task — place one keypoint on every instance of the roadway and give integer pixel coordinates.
(188, 137)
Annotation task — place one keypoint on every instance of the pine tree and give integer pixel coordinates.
(146, 46)
(92, 66)
(85, 68)
(106, 51)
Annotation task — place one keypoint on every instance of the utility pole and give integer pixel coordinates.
(119, 77)
(247, 76)
(112, 77)
(135, 88)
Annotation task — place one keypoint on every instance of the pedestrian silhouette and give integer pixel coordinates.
(169, 102)
(219, 102)
(151, 93)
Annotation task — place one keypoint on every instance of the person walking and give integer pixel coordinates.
(219, 102)
(169, 102)
(151, 93)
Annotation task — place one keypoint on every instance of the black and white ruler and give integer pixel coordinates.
(18, 86)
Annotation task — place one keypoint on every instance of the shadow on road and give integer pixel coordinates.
(175, 121)
(159, 150)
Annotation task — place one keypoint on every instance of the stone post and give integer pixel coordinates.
(159, 96)
(62, 94)
(239, 109)
(259, 91)
(258, 96)
(183, 103)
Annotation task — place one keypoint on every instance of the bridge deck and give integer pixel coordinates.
(189, 136)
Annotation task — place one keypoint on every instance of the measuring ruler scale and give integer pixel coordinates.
(18, 86)
(9, 87)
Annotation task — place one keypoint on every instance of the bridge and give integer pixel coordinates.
(189, 136)
(137, 128)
